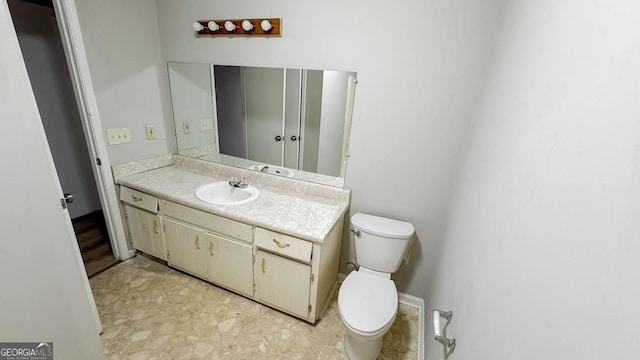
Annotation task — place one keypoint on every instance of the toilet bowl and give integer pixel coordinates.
(368, 305)
(368, 298)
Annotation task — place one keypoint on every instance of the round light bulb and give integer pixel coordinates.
(266, 25)
(197, 26)
(229, 26)
(213, 26)
(247, 25)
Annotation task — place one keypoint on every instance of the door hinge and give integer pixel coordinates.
(126, 213)
(164, 227)
(312, 277)
(63, 203)
(309, 308)
(98, 161)
(253, 259)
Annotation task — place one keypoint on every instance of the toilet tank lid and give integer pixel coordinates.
(380, 226)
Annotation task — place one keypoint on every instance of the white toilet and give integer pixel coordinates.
(368, 299)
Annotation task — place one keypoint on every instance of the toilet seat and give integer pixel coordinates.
(367, 303)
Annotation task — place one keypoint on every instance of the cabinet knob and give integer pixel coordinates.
(278, 138)
(135, 198)
(197, 242)
(263, 270)
(211, 249)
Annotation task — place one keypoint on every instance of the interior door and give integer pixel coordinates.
(264, 90)
(292, 118)
(41, 295)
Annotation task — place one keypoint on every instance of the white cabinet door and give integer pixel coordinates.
(230, 263)
(283, 283)
(187, 247)
(145, 229)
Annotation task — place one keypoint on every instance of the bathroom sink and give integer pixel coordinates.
(271, 169)
(222, 193)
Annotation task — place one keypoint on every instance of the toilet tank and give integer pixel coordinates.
(381, 244)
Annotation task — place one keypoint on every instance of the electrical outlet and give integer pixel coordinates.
(118, 136)
(151, 132)
(186, 128)
(206, 124)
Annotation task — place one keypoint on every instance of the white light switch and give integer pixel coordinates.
(186, 128)
(118, 136)
(151, 132)
(206, 124)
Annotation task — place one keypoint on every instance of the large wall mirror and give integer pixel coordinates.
(285, 122)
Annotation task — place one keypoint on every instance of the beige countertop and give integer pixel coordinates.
(304, 210)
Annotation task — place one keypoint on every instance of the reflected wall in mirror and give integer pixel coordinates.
(192, 101)
(288, 122)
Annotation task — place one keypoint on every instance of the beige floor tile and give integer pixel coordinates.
(150, 311)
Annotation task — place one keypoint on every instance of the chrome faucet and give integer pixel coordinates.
(237, 183)
(264, 168)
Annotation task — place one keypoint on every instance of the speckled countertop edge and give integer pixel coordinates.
(307, 211)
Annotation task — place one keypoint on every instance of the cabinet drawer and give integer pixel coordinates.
(139, 199)
(208, 221)
(283, 244)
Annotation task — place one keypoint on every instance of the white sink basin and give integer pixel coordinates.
(221, 193)
(272, 169)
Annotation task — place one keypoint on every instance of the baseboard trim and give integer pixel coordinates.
(411, 301)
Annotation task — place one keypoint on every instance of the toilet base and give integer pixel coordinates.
(361, 348)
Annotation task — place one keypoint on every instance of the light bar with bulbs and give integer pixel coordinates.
(239, 27)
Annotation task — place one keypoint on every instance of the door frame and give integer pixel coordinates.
(69, 27)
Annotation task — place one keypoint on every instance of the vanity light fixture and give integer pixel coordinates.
(247, 26)
(230, 26)
(213, 26)
(263, 27)
(266, 25)
(197, 26)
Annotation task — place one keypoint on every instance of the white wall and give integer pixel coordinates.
(45, 294)
(45, 60)
(128, 74)
(541, 253)
(417, 89)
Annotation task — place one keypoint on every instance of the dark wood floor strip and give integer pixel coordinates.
(93, 240)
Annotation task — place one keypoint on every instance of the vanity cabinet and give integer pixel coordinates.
(145, 224)
(230, 263)
(283, 283)
(186, 247)
(293, 275)
(210, 247)
(283, 271)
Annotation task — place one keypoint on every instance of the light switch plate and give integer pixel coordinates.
(118, 136)
(206, 124)
(186, 128)
(151, 132)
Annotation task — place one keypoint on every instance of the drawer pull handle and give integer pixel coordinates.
(211, 249)
(155, 226)
(197, 242)
(135, 198)
(263, 270)
(280, 244)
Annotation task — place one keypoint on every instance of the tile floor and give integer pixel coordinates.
(150, 311)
